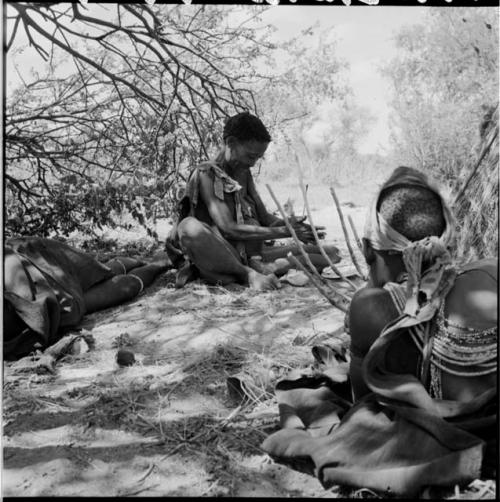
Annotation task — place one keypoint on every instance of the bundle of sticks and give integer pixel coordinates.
(339, 299)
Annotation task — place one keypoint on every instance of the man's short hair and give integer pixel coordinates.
(246, 127)
(414, 211)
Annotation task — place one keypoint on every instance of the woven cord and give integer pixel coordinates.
(140, 281)
(427, 353)
(124, 268)
(476, 350)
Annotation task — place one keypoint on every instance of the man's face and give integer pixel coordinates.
(247, 153)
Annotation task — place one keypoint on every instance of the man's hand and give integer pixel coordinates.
(304, 231)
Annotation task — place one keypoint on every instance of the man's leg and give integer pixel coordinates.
(216, 259)
(114, 291)
(148, 273)
(122, 288)
(122, 264)
(276, 260)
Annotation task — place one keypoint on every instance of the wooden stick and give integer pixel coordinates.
(318, 286)
(345, 297)
(315, 233)
(475, 168)
(294, 235)
(356, 236)
(346, 235)
(304, 208)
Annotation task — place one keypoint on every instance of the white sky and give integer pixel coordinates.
(365, 40)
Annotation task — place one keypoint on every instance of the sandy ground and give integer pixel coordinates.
(94, 428)
(168, 425)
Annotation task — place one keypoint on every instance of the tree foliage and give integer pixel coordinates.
(143, 96)
(476, 200)
(311, 107)
(131, 96)
(444, 79)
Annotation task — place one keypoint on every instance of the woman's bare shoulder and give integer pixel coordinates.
(488, 266)
(473, 300)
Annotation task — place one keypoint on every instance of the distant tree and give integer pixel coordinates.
(310, 106)
(146, 99)
(444, 79)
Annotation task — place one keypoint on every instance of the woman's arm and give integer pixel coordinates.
(370, 311)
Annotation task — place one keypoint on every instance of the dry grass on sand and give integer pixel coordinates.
(167, 425)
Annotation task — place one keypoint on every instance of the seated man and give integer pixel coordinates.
(223, 222)
(49, 286)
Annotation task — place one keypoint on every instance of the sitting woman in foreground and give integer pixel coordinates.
(450, 313)
(424, 332)
(423, 367)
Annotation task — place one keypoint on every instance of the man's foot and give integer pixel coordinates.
(261, 282)
(281, 266)
(257, 264)
(186, 273)
(278, 267)
(162, 264)
(162, 260)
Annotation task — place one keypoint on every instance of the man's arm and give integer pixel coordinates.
(270, 220)
(223, 218)
(267, 219)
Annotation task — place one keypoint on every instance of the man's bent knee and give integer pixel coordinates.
(190, 230)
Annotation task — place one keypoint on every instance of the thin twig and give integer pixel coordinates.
(261, 415)
(359, 493)
(346, 235)
(304, 208)
(209, 488)
(231, 416)
(479, 495)
(139, 490)
(149, 471)
(334, 291)
(315, 233)
(318, 286)
(354, 231)
(300, 245)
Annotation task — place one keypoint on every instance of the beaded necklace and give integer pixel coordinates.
(467, 352)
